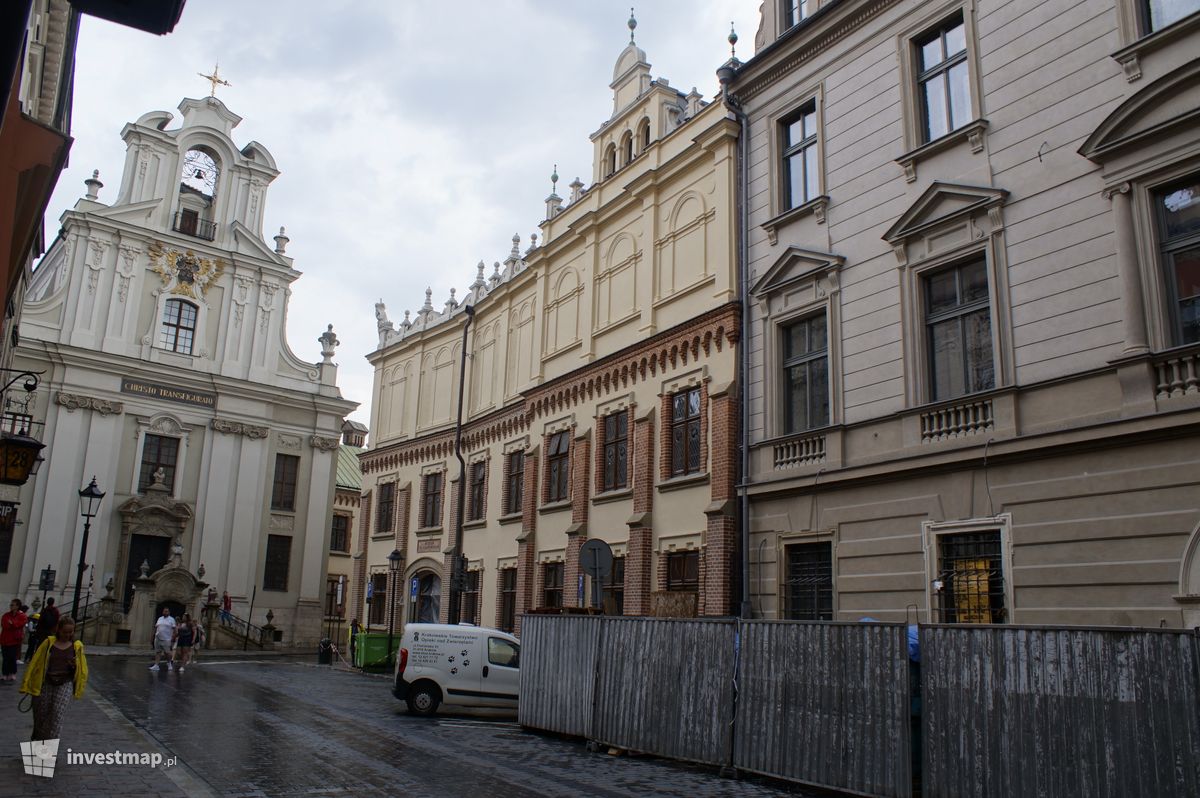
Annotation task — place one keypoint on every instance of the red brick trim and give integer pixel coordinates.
(358, 587)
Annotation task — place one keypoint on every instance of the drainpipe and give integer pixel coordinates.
(457, 572)
(725, 75)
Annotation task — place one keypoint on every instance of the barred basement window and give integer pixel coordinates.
(469, 602)
(808, 591)
(552, 584)
(278, 560)
(683, 570)
(970, 582)
(508, 599)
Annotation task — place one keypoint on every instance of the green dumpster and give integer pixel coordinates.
(371, 650)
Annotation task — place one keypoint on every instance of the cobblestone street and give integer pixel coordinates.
(273, 727)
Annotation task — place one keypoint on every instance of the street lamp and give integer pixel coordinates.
(394, 560)
(89, 505)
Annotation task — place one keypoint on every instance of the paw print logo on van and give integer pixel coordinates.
(450, 658)
(464, 652)
(466, 662)
(453, 671)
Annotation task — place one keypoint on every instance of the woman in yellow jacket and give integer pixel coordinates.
(57, 671)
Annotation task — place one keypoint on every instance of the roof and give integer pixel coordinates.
(349, 473)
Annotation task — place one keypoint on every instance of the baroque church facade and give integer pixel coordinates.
(158, 325)
(599, 394)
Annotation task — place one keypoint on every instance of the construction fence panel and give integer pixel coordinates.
(558, 672)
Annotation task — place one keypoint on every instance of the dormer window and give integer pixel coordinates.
(178, 331)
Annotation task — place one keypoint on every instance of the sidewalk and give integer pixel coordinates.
(93, 726)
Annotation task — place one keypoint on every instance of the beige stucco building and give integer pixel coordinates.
(972, 237)
(599, 394)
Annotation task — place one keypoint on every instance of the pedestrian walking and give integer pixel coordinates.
(47, 623)
(185, 636)
(164, 638)
(31, 635)
(57, 672)
(12, 633)
(201, 639)
(226, 608)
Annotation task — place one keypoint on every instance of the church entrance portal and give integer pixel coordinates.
(144, 548)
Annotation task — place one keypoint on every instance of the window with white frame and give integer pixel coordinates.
(808, 581)
(178, 330)
(796, 11)
(943, 79)
(969, 586)
(158, 452)
(959, 331)
(801, 171)
(1158, 14)
(1179, 228)
(805, 374)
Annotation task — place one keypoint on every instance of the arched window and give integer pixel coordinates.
(178, 331)
(627, 149)
(644, 134)
(197, 191)
(610, 160)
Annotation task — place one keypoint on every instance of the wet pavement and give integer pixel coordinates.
(271, 727)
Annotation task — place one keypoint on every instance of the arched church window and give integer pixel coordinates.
(627, 149)
(644, 134)
(610, 160)
(178, 331)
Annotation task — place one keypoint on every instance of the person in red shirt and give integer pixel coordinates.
(12, 630)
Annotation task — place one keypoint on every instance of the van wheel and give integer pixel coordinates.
(423, 699)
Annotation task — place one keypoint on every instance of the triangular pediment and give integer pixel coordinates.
(940, 203)
(794, 265)
(138, 214)
(247, 243)
(1163, 107)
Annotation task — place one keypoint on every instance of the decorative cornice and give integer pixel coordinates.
(74, 401)
(503, 423)
(323, 443)
(238, 428)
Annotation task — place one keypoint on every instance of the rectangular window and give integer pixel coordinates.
(469, 602)
(514, 490)
(333, 608)
(178, 330)
(970, 582)
(959, 323)
(385, 510)
(806, 375)
(683, 570)
(1158, 14)
(558, 466)
(552, 584)
(1179, 224)
(616, 450)
(377, 615)
(808, 592)
(685, 432)
(613, 590)
(794, 12)
(475, 510)
(339, 536)
(943, 82)
(431, 501)
(278, 561)
(508, 599)
(283, 490)
(158, 451)
(801, 172)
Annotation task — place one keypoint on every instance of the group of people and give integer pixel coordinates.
(56, 670)
(170, 637)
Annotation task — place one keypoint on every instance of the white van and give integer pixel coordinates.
(463, 665)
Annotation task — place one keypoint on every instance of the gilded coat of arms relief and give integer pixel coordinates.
(183, 272)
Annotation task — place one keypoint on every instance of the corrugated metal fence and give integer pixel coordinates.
(1007, 710)
(1060, 712)
(825, 704)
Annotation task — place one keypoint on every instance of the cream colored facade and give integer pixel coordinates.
(1058, 481)
(627, 299)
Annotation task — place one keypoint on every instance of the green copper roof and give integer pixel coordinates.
(349, 473)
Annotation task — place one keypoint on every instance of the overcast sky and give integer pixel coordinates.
(413, 138)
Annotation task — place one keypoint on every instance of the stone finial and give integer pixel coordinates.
(427, 308)
(406, 323)
(732, 38)
(495, 278)
(695, 101)
(532, 242)
(554, 205)
(328, 341)
(381, 317)
(480, 282)
(451, 303)
(93, 186)
(281, 241)
(632, 23)
(576, 189)
(516, 247)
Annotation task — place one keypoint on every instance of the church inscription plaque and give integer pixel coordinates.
(168, 393)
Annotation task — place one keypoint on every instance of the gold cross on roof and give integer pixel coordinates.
(214, 79)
